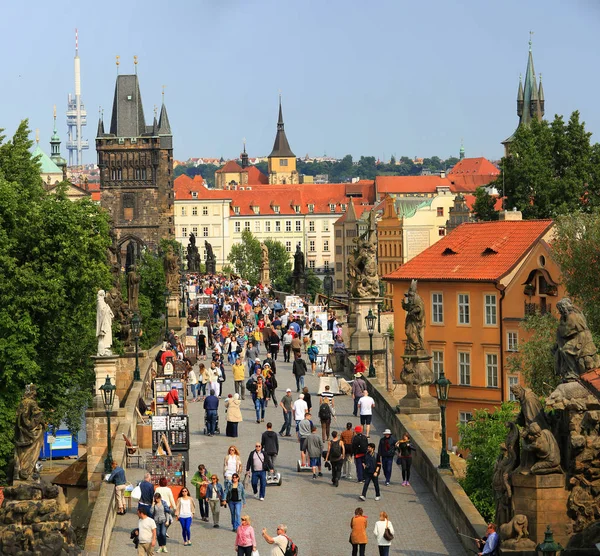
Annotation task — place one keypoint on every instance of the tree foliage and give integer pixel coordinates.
(151, 298)
(552, 169)
(482, 437)
(484, 205)
(52, 263)
(576, 248)
(280, 266)
(535, 360)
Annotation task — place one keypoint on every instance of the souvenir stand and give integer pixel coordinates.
(324, 341)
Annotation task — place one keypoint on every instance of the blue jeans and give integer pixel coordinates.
(236, 513)
(299, 383)
(211, 420)
(186, 523)
(387, 463)
(203, 503)
(231, 357)
(262, 477)
(369, 477)
(161, 534)
(287, 422)
(359, 468)
(355, 410)
(195, 388)
(259, 405)
(201, 388)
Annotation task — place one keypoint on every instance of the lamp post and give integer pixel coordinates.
(167, 294)
(108, 397)
(549, 547)
(442, 387)
(370, 320)
(328, 287)
(135, 328)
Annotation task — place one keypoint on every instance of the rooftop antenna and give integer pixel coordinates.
(118, 63)
(163, 93)
(135, 63)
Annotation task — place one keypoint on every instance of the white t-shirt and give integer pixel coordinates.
(146, 526)
(279, 545)
(366, 404)
(300, 408)
(185, 507)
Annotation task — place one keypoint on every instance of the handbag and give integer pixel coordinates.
(203, 488)
(387, 534)
(255, 553)
(136, 492)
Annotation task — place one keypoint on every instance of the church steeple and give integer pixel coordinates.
(55, 150)
(244, 157)
(282, 161)
(461, 153)
(281, 147)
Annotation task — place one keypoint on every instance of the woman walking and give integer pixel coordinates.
(358, 535)
(235, 496)
(201, 480)
(379, 531)
(160, 512)
(184, 513)
(232, 464)
(216, 497)
(245, 542)
(234, 415)
(404, 448)
(167, 495)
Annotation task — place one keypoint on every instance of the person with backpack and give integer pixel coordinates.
(372, 467)
(359, 449)
(283, 545)
(347, 437)
(335, 455)
(312, 353)
(325, 417)
(387, 449)
(160, 512)
(299, 370)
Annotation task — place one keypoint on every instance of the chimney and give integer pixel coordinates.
(442, 174)
(511, 215)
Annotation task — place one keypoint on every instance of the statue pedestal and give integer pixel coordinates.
(543, 499)
(105, 366)
(359, 340)
(265, 277)
(417, 376)
(173, 306)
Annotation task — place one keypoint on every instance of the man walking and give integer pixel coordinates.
(287, 345)
(146, 533)
(314, 448)
(286, 405)
(325, 417)
(365, 406)
(270, 444)
(372, 466)
(304, 430)
(147, 496)
(300, 408)
(258, 463)
(387, 449)
(335, 455)
(211, 406)
(299, 370)
(359, 449)
(358, 387)
(238, 376)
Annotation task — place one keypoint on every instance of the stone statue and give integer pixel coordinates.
(29, 435)
(171, 265)
(507, 462)
(531, 407)
(362, 263)
(133, 288)
(211, 260)
(131, 256)
(574, 351)
(542, 444)
(514, 534)
(298, 261)
(415, 320)
(104, 318)
(264, 263)
(193, 256)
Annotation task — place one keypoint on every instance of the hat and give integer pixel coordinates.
(289, 390)
(358, 375)
(257, 359)
(267, 365)
(387, 431)
(357, 428)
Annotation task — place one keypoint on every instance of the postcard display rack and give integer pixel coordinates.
(172, 467)
(171, 432)
(161, 387)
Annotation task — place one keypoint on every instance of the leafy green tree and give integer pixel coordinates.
(552, 169)
(280, 266)
(52, 263)
(482, 437)
(535, 360)
(314, 285)
(151, 299)
(246, 256)
(576, 248)
(483, 207)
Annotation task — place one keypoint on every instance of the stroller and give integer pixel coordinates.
(217, 430)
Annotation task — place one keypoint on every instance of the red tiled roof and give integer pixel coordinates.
(482, 251)
(410, 184)
(231, 167)
(255, 176)
(474, 166)
(470, 200)
(358, 209)
(183, 186)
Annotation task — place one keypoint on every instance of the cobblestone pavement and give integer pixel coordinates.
(316, 513)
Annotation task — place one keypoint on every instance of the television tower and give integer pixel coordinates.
(76, 116)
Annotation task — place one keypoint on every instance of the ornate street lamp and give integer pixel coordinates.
(328, 287)
(442, 388)
(167, 295)
(108, 397)
(370, 320)
(549, 547)
(135, 328)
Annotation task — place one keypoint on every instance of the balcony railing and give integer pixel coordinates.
(537, 309)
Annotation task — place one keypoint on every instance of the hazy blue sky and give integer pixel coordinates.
(373, 78)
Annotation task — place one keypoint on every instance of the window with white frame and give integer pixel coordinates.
(247, 225)
(512, 381)
(325, 225)
(257, 225)
(464, 310)
(490, 309)
(278, 225)
(311, 208)
(256, 209)
(512, 341)
(298, 225)
(268, 226)
(288, 225)
(205, 231)
(236, 210)
(311, 264)
(464, 417)
(311, 225)
(326, 265)
(183, 232)
(288, 246)
(464, 368)
(343, 207)
(194, 211)
(297, 209)
(437, 308)
(195, 231)
(331, 207)
(183, 211)
(326, 245)
(311, 245)
(491, 365)
(237, 227)
(204, 211)
(438, 363)
(276, 209)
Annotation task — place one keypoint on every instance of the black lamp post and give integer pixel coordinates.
(328, 287)
(108, 397)
(135, 328)
(370, 320)
(167, 295)
(549, 547)
(442, 388)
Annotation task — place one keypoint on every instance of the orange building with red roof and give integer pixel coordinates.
(477, 285)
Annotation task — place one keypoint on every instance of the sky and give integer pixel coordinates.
(380, 78)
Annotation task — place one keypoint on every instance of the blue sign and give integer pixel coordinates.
(64, 446)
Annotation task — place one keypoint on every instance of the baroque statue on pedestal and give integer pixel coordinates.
(104, 318)
(362, 263)
(29, 435)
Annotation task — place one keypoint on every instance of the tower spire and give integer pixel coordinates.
(281, 147)
(76, 114)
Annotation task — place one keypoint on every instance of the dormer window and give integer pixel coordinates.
(256, 210)
(311, 208)
(344, 207)
(297, 209)
(194, 194)
(331, 207)
(236, 210)
(276, 209)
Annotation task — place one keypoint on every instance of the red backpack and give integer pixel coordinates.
(291, 549)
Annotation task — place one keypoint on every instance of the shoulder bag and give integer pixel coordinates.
(387, 534)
